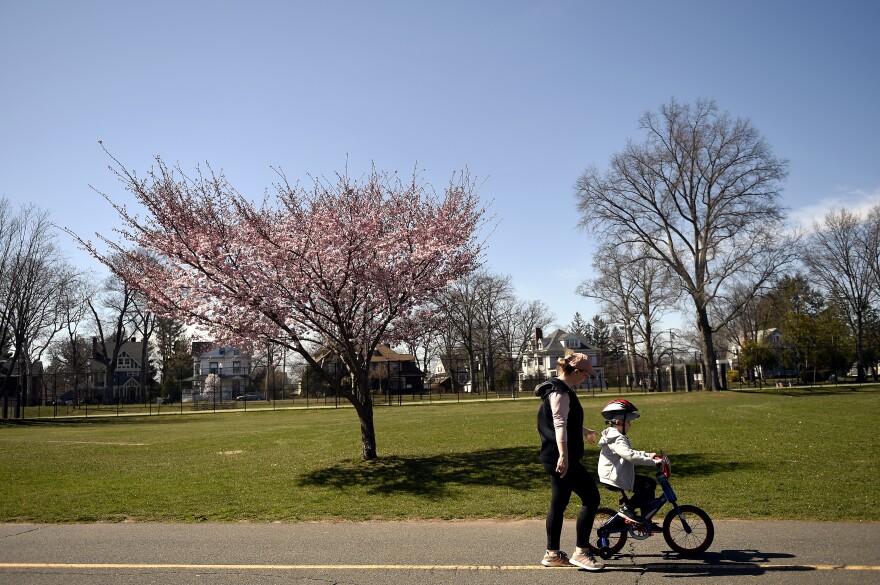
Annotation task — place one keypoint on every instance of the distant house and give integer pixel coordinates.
(390, 372)
(395, 373)
(451, 373)
(539, 361)
(28, 389)
(772, 337)
(221, 373)
(125, 385)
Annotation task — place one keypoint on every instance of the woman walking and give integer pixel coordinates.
(562, 431)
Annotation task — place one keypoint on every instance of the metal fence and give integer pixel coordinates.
(51, 406)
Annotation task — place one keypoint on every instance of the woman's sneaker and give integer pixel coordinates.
(586, 561)
(555, 559)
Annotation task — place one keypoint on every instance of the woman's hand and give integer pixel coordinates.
(562, 466)
(590, 435)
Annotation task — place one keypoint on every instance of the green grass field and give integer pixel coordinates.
(777, 454)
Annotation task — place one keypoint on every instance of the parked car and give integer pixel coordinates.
(251, 396)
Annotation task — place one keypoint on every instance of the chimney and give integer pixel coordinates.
(539, 335)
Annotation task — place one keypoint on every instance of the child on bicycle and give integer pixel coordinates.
(617, 459)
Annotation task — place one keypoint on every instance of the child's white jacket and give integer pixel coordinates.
(617, 460)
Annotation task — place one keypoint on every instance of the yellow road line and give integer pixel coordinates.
(246, 567)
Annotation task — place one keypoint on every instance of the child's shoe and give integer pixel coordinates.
(630, 515)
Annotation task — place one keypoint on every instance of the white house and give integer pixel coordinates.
(219, 373)
(540, 360)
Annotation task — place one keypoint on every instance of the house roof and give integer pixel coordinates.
(381, 354)
(556, 342)
(384, 353)
(36, 368)
(130, 348)
(217, 352)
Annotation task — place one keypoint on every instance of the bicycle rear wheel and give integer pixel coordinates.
(688, 542)
(616, 540)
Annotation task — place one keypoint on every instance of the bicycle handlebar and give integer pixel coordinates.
(665, 465)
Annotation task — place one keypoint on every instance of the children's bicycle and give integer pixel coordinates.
(688, 530)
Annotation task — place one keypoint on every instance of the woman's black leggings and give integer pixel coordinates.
(577, 481)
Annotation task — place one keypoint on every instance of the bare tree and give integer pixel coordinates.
(68, 365)
(483, 319)
(871, 244)
(116, 304)
(468, 306)
(637, 291)
(495, 299)
(34, 276)
(837, 257)
(701, 194)
(71, 355)
(143, 321)
(9, 228)
(423, 341)
(515, 326)
(617, 297)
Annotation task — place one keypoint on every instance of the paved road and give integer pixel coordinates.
(424, 553)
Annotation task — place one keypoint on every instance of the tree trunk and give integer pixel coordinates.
(362, 400)
(710, 367)
(368, 430)
(630, 355)
(861, 373)
(649, 357)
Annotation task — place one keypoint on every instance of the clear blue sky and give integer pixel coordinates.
(523, 94)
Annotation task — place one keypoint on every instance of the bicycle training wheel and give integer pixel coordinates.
(616, 540)
(685, 543)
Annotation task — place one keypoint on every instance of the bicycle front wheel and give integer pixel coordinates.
(693, 539)
(616, 539)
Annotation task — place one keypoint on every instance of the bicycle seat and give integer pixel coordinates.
(623, 499)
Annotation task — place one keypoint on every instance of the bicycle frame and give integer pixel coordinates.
(687, 529)
(619, 524)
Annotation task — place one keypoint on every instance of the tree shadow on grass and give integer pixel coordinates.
(516, 468)
(431, 475)
(704, 465)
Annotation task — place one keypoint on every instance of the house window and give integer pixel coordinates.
(213, 367)
(236, 367)
(123, 362)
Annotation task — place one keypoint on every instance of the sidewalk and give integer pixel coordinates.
(420, 552)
